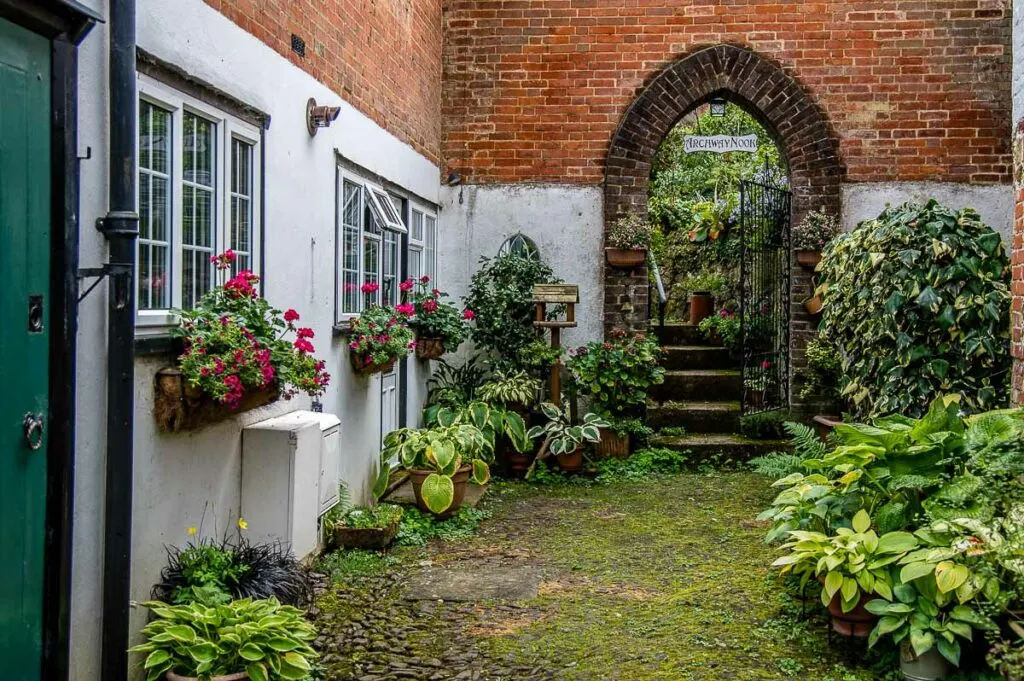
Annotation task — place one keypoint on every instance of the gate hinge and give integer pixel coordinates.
(110, 269)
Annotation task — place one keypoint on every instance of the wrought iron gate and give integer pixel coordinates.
(764, 296)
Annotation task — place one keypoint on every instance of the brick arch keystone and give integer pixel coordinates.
(765, 90)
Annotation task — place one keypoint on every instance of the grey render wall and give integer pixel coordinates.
(192, 479)
(1018, 61)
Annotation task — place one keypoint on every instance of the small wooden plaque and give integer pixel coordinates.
(556, 293)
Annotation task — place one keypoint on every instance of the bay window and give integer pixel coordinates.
(198, 195)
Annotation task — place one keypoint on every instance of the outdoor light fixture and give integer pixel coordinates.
(319, 116)
(718, 105)
(454, 179)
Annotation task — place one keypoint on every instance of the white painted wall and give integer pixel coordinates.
(566, 223)
(1018, 61)
(995, 203)
(193, 479)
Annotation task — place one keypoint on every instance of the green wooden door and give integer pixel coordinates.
(24, 347)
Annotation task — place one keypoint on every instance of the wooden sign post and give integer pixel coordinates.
(555, 294)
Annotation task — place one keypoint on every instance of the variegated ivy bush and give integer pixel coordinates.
(263, 638)
(918, 303)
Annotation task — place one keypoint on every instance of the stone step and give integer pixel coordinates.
(678, 334)
(734, 447)
(699, 385)
(695, 417)
(679, 357)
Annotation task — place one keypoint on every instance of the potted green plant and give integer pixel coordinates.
(851, 565)
(563, 439)
(616, 376)
(378, 338)
(617, 437)
(628, 241)
(515, 391)
(440, 326)
(702, 287)
(239, 353)
(811, 235)
(243, 639)
(721, 329)
(362, 527)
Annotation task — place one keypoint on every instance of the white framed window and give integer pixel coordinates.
(198, 195)
(369, 245)
(422, 243)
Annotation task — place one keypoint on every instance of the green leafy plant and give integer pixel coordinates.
(917, 300)
(852, 562)
(419, 528)
(510, 388)
(501, 295)
(537, 357)
(723, 328)
(822, 376)
(763, 426)
(1007, 658)
(493, 421)
(815, 231)
(262, 637)
(431, 316)
(634, 427)
(236, 342)
(617, 373)
(455, 386)
(560, 435)
(630, 232)
(706, 281)
(380, 334)
(362, 517)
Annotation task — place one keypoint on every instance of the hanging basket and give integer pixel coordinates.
(429, 348)
(362, 369)
(814, 305)
(180, 406)
(622, 257)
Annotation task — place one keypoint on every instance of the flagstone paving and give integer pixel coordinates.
(663, 579)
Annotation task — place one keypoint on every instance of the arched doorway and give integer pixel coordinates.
(781, 105)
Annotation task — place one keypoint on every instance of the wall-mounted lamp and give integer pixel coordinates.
(718, 106)
(319, 116)
(454, 179)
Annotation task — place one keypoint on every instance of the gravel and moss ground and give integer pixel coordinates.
(660, 579)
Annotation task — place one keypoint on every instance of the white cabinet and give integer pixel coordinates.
(287, 475)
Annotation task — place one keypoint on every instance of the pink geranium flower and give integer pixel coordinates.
(291, 316)
(468, 314)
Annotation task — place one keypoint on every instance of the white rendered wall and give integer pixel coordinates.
(994, 202)
(1018, 61)
(566, 223)
(193, 479)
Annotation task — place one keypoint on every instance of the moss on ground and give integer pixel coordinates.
(663, 579)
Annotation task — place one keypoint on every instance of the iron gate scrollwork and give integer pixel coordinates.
(764, 296)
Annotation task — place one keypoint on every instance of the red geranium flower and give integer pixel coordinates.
(291, 316)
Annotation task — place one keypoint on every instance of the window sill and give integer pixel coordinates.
(155, 345)
(342, 329)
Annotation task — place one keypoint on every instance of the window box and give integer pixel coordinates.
(179, 406)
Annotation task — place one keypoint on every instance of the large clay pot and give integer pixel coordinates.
(813, 305)
(702, 306)
(571, 462)
(928, 667)
(808, 259)
(612, 445)
(240, 676)
(460, 479)
(429, 348)
(621, 257)
(858, 622)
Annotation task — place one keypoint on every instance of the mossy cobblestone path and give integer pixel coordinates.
(662, 579)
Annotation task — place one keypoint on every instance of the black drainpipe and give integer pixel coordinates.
(121, 228)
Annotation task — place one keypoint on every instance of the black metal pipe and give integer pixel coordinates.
(120, 227)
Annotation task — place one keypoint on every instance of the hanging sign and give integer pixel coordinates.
(720, 144)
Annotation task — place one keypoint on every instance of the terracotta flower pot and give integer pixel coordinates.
(858, 622)
(361, 368)
(571, 462)
(808, 258)
(622, 257)
(518, 463)
(813, 305)
(612, 445)
(240, 676)
(429, 348)
(460, 479)
(702, 305)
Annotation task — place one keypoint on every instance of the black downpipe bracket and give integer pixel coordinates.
(121, 229)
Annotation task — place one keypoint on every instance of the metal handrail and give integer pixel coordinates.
(662, 298)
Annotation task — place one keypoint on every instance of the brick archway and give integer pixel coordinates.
(766, 91)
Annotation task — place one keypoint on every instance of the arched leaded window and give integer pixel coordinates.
(521, 245)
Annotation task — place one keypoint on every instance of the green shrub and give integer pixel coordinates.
(824, 370)
(917, 300)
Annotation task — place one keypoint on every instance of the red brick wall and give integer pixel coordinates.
(915, 89)
(381, 56)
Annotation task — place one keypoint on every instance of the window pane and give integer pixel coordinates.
(351, 225)
(371, 268)
(430, 249)
(154, 207)
(417, 225)
(241, 205)
(389, 285)
(198, 241)
(415, 263)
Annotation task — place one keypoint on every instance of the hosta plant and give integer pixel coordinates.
(510, 388)
(379, 335)
(561, 436)
(442, 450)
(852, 562)
(235, 342)
(617, 373)
(263, 638)
(493, 421)
(917, 301)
